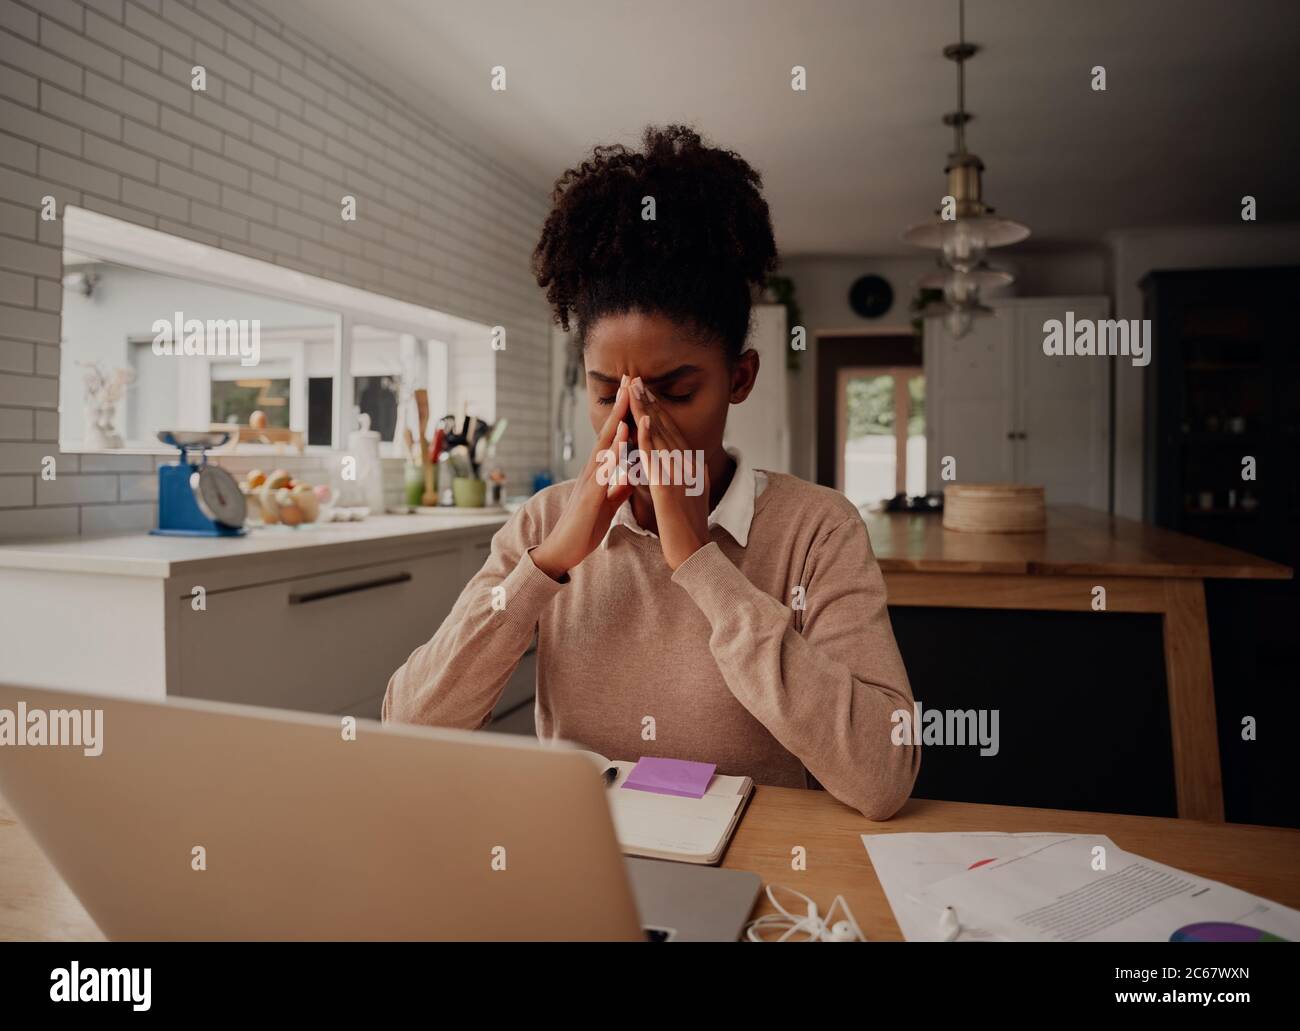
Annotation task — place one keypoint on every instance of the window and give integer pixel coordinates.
(234, 400)
(387, 367)
(325, 351)
(880, 441)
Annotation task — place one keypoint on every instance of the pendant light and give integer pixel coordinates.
(964, 238)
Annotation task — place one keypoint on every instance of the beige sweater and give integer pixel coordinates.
(716, 660)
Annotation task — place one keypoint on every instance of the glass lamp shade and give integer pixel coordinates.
(958, 317)
(964, 247)
(961, 290)
(978, 230)
(987, 276)
(958, 321)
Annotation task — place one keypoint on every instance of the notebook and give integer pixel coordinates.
(685, 830)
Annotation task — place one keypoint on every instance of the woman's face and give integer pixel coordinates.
(689, 376)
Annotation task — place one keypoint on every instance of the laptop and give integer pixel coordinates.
(196, 820)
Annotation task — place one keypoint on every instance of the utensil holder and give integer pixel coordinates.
(469, 493)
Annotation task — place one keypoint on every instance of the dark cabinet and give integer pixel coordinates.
(1222, 397)
(1223, 388)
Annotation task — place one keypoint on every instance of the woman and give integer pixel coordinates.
(744, 624)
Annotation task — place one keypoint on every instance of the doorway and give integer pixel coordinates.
(870, 414)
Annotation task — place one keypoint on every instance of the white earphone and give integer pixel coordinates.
(812, 923)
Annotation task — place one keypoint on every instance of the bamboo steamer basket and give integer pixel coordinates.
(994, 508)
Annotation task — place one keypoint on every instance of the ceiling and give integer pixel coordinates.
(1198, 111)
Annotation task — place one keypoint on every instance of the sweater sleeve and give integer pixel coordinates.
(828, 693)
(456, 678)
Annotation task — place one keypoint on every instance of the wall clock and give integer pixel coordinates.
(871, 296)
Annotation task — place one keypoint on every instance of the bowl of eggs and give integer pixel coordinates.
(280, 500)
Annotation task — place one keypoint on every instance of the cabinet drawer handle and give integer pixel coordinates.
(334, 592)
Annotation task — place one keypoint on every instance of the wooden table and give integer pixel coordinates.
(36, 904)
(1143, 569)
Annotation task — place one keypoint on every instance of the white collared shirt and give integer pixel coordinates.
(734, 512)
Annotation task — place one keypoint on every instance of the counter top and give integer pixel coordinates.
(144, 555)
(1078, 541)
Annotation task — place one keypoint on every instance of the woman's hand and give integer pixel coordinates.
(592, 504)
(682, 519)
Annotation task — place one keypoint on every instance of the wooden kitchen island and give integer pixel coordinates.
(1143, 569)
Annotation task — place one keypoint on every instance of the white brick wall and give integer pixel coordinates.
(96, 109)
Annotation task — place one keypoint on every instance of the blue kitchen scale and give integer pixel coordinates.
(196, 499)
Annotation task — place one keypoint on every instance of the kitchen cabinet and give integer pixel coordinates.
(1008, 413)
(312, 620)
(1222, 425)
(1226, 386)
(320, 643)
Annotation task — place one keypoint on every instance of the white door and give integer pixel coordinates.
(970, 414)
(1063, 410)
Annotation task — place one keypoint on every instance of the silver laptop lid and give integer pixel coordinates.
(202, 820)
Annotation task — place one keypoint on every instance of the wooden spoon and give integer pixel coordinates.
(422, 408)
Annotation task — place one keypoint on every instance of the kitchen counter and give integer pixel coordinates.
(145, 555)
(1078, 541)
(1087, 561)
(313, 618)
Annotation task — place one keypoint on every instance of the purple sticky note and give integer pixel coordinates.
(671, 777)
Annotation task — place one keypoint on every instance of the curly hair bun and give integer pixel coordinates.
(709, 240)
